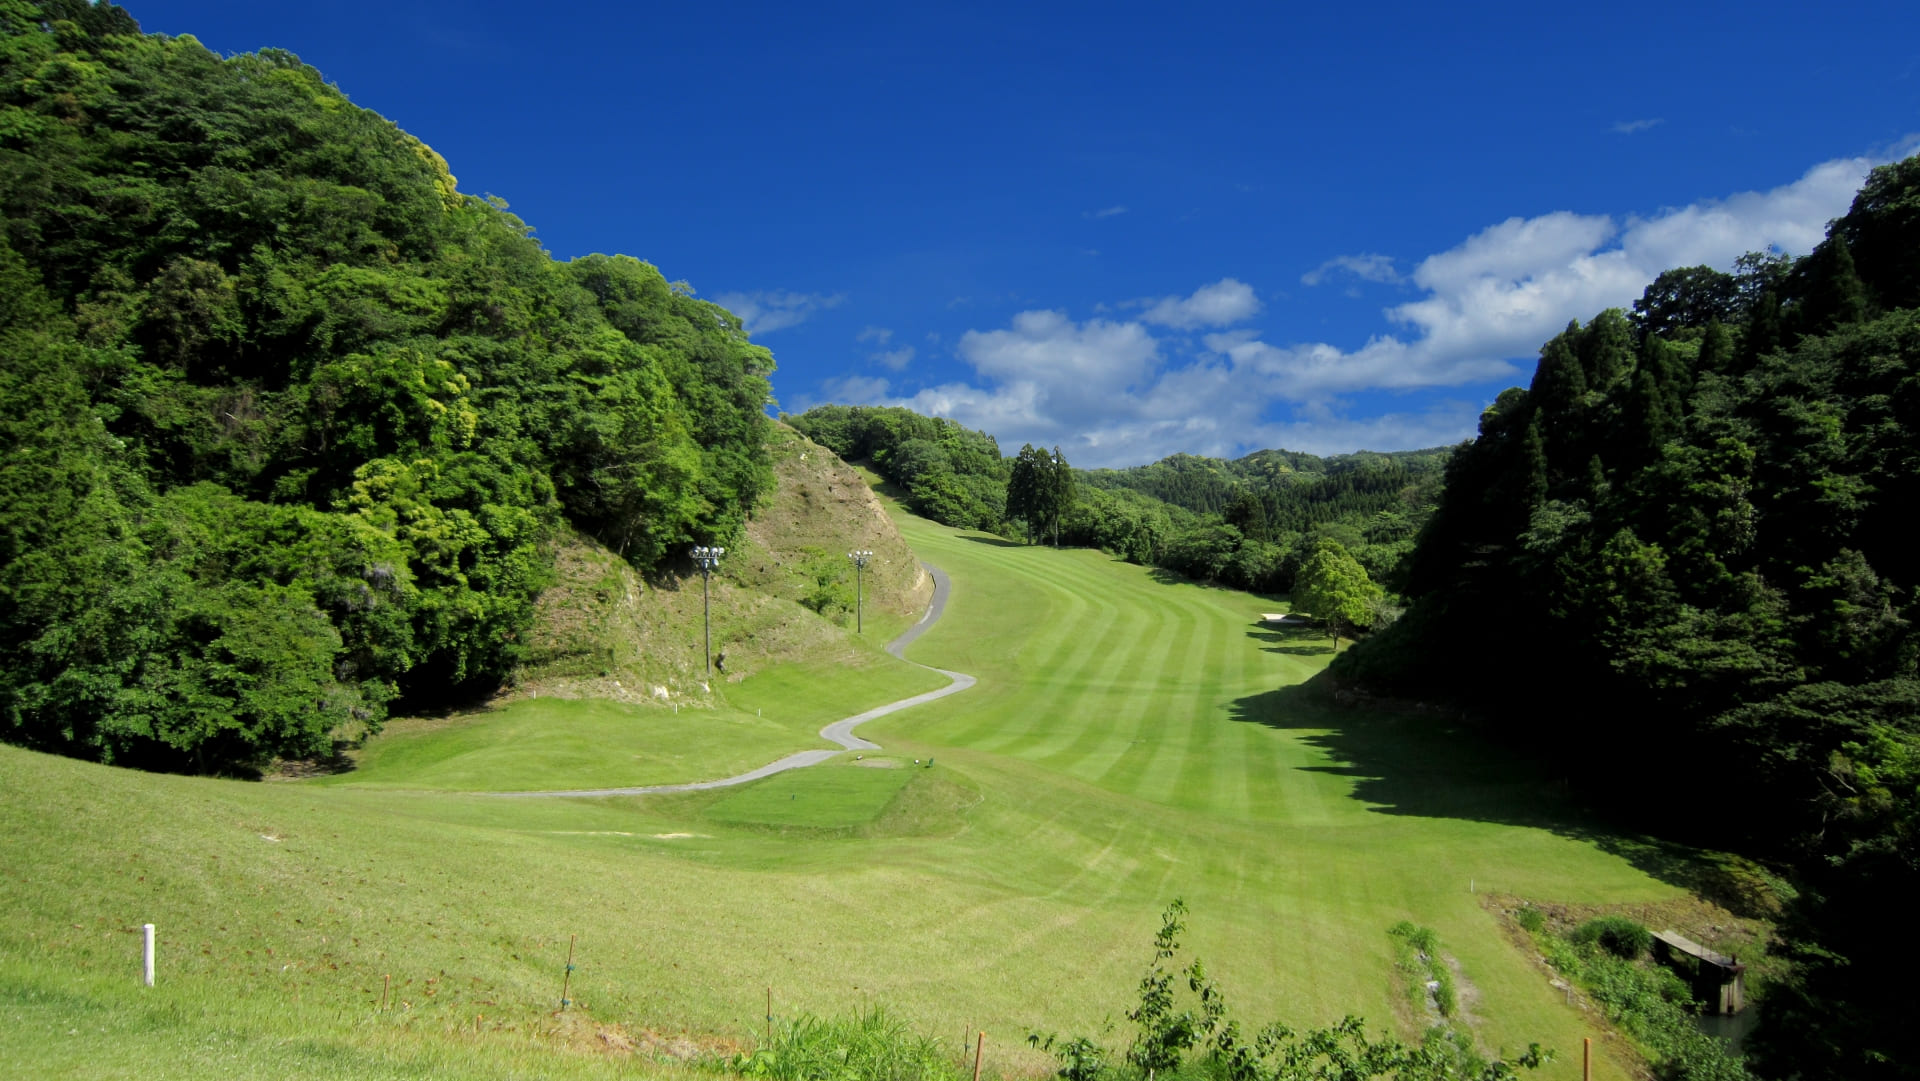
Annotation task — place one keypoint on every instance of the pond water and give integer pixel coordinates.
(1730, 1030)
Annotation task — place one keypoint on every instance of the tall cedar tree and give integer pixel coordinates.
(1735, 588)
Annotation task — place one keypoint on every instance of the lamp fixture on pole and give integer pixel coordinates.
(860, 557)
(708, 558)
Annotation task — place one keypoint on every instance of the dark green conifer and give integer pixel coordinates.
(1716, 348)
(1606, 349)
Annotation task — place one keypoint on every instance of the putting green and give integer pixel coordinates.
(1129, 740)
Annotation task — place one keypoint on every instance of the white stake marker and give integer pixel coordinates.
(146, 954)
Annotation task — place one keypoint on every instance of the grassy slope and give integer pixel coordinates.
(600, 631)
(614, 694)
(1126, 744)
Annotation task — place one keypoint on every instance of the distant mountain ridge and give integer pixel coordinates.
(1210, 485)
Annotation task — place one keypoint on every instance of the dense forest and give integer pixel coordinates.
(1247, 523)
(288, 418)
(1680, 564)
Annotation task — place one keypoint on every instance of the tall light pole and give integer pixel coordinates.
(860, 558)
(708, 558)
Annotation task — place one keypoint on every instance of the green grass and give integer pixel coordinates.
(535, 744)
(1129, 740)
(839, 795)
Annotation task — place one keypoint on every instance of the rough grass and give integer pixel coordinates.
(1129, 740)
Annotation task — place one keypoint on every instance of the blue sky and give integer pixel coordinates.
(1136, 230)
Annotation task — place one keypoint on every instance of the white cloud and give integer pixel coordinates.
(1371, 268)
(1223, 303)
(1107, 212)
(777, 309)
(851, 390)
(1069, 361)
(1630, 127)
(1110, 391)
(896, 359)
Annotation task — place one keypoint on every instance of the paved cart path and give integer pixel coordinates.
(840, 732)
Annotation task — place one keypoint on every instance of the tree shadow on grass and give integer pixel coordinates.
(1433, 763)
(1294, 639)
(991, 540)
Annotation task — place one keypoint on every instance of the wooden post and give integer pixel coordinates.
(146, 954)
(386, 986)
(769, 1015)
(1586, 1059)
(566, 981)
(979, 1046)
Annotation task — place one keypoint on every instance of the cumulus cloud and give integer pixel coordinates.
(881, 337)
(777, 309)
(1370, 268)
(1110, 391)
(1223, 303)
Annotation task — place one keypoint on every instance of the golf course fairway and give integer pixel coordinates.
(1129, 740)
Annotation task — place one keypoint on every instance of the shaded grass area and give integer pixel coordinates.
(1129, 741)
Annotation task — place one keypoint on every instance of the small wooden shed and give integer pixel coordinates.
(1719, 982)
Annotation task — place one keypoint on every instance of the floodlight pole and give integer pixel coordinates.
(708, 558)
(860, 559)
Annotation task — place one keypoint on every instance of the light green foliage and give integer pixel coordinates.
(1646, 1000)
(1428, 975)
(240, 307)
(1203, 1040)
(1332, 586)
(868, 1046)
(950, 474)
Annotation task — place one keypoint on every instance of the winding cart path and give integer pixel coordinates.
(840, 732)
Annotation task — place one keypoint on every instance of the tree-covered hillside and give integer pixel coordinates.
(288, 417)
(1247, 522)
(1689, 543)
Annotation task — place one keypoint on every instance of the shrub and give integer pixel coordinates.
(1531, 918)
(866, 1047)
(1617, 935)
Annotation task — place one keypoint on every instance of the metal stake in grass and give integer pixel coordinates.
(146, 954)
(978, 1047)
(566, 981)
(861, 557)
(708, 558)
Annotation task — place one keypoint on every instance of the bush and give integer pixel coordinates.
(1531, 918)
(866, 1047)
(1618, 935)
